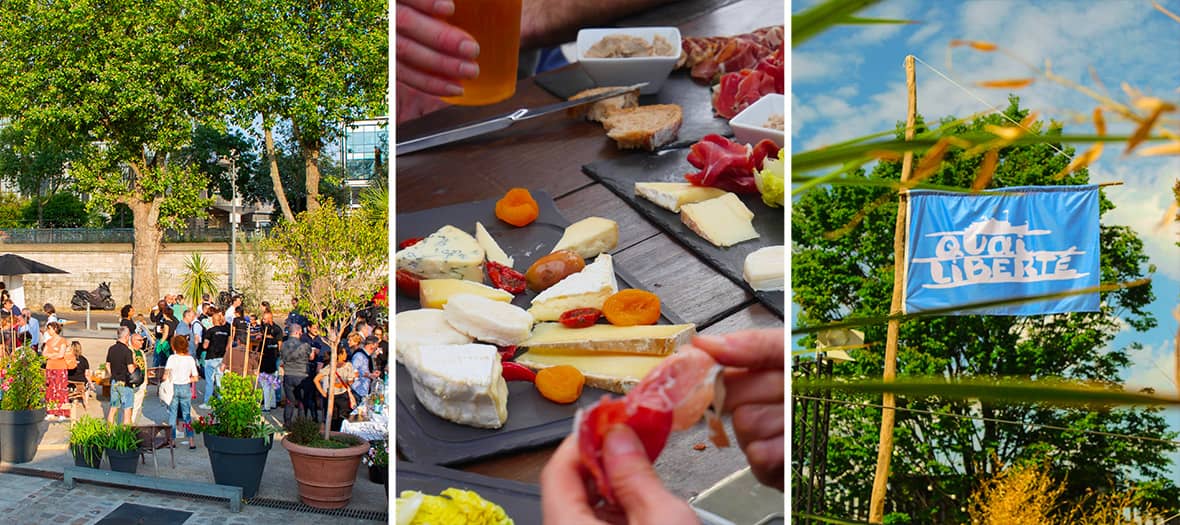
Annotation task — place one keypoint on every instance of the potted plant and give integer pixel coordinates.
(122, 446)
(378, 462)
(87, 440)
(325, 469)
(236, 436)
(22, 405)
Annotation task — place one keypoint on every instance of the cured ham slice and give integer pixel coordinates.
(709, 57)
(673, 396)
(726, 164)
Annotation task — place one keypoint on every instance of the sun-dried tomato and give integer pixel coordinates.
(407, 283)
(517, 372)
(507, 352)
(505, 278)
(580, 317)
(409, 242)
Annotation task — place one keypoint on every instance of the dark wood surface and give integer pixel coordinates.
(547, 153)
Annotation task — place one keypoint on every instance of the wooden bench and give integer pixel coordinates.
(135, 481)
(107, 326)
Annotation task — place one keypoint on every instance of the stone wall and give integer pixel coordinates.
(90, 264)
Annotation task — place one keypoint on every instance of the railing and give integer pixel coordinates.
(120, 235)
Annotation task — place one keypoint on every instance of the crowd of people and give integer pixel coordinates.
(187, 348)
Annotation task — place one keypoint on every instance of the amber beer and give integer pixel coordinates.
(495, 24)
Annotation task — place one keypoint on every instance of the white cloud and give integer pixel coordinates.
(1141, 203)
(1153, 366)
(812, 66)
(927, 30)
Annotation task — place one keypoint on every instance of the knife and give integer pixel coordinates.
(503, 121)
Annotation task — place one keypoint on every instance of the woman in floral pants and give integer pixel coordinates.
(56, 370)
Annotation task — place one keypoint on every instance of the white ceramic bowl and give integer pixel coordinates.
(748, 125)
(628, 71)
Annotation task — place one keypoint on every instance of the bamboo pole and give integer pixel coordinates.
(885, 449)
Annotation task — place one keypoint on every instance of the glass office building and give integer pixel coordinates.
(366, 154)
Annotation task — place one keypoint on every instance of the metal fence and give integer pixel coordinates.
(119, 235)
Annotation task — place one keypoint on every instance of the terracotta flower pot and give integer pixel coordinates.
(325, 475)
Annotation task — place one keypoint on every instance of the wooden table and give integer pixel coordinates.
(547, 154)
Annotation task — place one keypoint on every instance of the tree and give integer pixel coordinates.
(334, 262)
(36, 160)
(313, 64)
(841, 272)
(130, 76)
(62, 210)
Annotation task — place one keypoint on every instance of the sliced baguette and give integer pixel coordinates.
(647, 127)
(599, 111)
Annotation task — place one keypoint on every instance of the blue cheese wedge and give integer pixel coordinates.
(588, 288)
(460, 383)
(449, 253)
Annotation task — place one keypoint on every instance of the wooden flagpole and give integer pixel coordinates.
(885, 448)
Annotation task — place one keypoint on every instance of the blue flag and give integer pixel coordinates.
(1002, 244)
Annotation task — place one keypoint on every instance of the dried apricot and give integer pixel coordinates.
(560, 384)
(632, 307)
(517, 208)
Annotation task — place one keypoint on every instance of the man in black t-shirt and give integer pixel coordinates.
(120, 363)
(214, 345)
(269, 335)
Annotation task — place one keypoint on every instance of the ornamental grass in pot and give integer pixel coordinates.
(122, 447)
(236, 436)
(22, 404)
(88, 440)
(325, 468)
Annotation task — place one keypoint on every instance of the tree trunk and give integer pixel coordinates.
(280, 195)
(311, 158)
(145, 252)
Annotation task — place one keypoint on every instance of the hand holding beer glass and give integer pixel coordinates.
(463, 50)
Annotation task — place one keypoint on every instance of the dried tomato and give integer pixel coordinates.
(505, 278)
(407, 283)
(409, 242)
(517, 372)
(580, 317)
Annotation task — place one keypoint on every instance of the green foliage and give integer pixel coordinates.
(12, 210)
(197, 279)
(237, 410)
(896, 518)
(122, 438)
(842, 269)
(22, 380)
(88, 436)
(305, 431)
(62, 210)
(378, 455)
(374, 202)
(252, 274)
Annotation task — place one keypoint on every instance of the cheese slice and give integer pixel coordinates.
(460, 383)
(487, 320)
(672, 195)
(434, 293)
(724, 221)
(492, 251)
(660, 339)
(588, 288)
(449, 253)
(764, 268)
(424, 327)
(613, 372)
(590, 237)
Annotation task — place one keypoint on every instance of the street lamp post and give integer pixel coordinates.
(231, 162)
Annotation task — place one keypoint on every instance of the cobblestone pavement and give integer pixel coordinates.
(26, 500)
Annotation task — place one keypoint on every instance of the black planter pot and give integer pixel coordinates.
(123, 461)
(378, 474)
(81, 458)
(238, 461)
(20, 433)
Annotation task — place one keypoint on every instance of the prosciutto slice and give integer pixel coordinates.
(709, 57)
(673, 396)
(726, 164)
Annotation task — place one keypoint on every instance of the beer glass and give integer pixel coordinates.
(495, 25)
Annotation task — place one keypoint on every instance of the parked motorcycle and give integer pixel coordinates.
(99, 299)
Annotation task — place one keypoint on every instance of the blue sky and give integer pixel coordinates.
(850, 82)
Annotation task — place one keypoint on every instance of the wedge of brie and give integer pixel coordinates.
(487, 320)
(425, 327)
(460, 383)
(765, 269)
(588, 288)
(672, 195)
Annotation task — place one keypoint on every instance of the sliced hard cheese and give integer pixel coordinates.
(425, 327)
(487, 320)
(660, 339)
(492, 250)
(449, 253)
(460, 383)
(672, 195)
(764, 268)
(724, 221)
(434, 293)
(588, 288)
(589, 237)
(614, 372)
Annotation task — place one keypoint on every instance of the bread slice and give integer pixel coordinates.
(647, 127)
(598, 111)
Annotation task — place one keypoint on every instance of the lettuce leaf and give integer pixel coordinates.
(771, 180)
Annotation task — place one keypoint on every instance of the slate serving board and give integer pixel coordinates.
(696, 101)
(532, 420)
(521, 501)
(620, 176)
